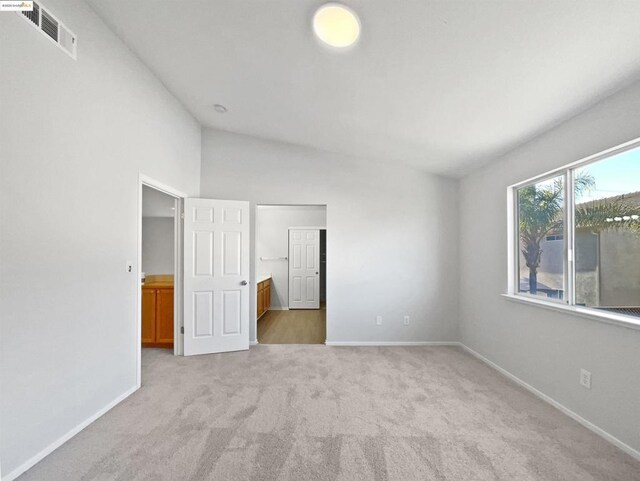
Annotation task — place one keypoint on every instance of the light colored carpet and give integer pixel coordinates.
(289, 412)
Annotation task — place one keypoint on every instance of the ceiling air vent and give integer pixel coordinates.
(67, 40)
(49, 26)
(33, 15)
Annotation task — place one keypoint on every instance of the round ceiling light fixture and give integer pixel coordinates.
(221, 109)
(336, 25)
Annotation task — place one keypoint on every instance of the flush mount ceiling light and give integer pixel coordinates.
(336, 25)
(221, 109)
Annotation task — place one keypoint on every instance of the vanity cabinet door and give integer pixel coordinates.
(267, 296)
(164, 316)
(157, 317)
(260, 303)
(148, 316)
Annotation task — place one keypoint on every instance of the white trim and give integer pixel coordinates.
(178, 308)
(512, 242)
(151, 182)
(621, 320)
(513, 224)
(569, 238)
(64, 438)
(391, 343)
(278, 308)
(561, 407)
(253, 343)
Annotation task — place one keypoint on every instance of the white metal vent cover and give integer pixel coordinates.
(48, 25)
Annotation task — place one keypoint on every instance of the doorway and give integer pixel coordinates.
(214, 280)
(291, 262)
(159, 270)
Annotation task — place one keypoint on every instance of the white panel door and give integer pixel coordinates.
(216, 276)
(304, 269)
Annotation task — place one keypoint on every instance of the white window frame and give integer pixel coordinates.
(513, 243)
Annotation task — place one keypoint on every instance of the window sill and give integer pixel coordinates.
(593, 314)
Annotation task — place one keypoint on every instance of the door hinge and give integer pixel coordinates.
(181, 329)
(182, 215)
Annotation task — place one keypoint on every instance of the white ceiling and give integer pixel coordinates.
(442, 85)
(156, 203)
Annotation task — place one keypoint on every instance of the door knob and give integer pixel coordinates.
(244, 283)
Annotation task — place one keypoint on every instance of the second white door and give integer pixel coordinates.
(216, 276)
(304, 269)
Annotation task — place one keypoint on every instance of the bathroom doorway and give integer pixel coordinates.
(291, 308)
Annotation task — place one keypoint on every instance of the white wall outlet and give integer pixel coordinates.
(585, 378)
(406, 320)
(378, 320)
(129, 266)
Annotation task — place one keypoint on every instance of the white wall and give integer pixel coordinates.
(391, 232)
(73, 136)
(156, 203)
(545, 348)
(157, 245)
(272, 240)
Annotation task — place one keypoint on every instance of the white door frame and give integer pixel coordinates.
(177, 269)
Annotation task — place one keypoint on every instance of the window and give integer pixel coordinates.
(577, 233)
(541, 214)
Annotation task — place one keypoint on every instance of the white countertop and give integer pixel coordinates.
(262, 277)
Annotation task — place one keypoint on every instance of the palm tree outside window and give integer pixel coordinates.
(599, 222)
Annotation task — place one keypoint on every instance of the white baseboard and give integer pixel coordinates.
(278, 308)
(60, 441)
(561, 407)
(253, 343)
(392, 343)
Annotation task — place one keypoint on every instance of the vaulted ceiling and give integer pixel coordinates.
(440, 85)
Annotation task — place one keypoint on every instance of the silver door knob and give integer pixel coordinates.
(244, 283)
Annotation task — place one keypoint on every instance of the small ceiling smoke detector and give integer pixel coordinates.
(336, 25)
(221, 109)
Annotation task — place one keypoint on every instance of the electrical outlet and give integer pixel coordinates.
(585, 378)
(406, 320)
(378, 320)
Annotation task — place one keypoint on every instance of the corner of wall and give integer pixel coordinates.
(459, 230)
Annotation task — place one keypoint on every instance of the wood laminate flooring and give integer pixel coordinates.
(293, 327)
